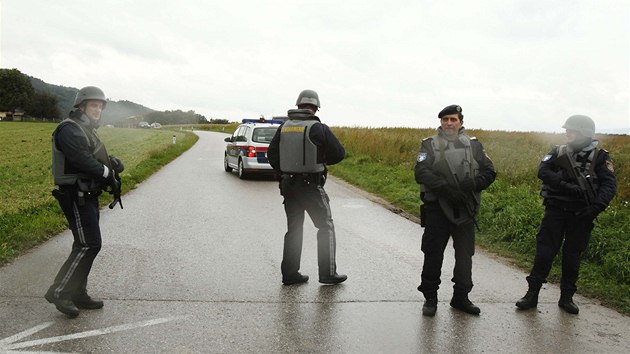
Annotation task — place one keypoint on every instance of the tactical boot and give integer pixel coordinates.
(530, 300)
(333, 279)
(86, 302)
(63, 305)
(566, 303)
(430, 306)
(462, 303)
(297, 278)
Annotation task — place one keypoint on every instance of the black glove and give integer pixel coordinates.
(453, 195)
(117, 165)
(468, 185)
(571, 189)
(590, 212)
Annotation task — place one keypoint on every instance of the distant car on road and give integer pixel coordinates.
(143, 124)
(156, 125)
(246, 150)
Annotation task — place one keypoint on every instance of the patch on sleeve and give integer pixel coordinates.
(609, 165)
(546, 158)
(422, 156)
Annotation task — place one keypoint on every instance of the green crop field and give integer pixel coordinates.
(29, 214)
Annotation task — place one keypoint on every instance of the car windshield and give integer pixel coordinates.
(264, 134)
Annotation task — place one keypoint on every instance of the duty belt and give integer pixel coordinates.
(307, 178)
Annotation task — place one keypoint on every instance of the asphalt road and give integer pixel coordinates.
(192, 265)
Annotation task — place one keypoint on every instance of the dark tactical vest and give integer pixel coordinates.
(455, 164)
(584, 165)
(62, 172)
(298, 154)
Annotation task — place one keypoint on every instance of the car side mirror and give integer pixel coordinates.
(228, 139)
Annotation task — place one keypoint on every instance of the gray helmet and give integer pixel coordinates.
(308, 97)
(582, 124)
(89, 93)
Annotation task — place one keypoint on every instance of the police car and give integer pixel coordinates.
(246, 150)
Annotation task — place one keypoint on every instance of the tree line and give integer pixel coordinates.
(17, 95)
(32, 97)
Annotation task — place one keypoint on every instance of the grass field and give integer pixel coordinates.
(29, 213)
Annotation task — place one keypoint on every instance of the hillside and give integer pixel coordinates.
(116, 113)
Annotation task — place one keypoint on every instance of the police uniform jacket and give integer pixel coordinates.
(77, 143)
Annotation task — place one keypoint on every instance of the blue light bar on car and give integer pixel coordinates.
(263, 120)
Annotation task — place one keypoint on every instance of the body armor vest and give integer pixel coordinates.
(455, 163)
(585, 165)
(63, 174)
(298, 154)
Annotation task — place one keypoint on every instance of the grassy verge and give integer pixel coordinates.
(30, 214)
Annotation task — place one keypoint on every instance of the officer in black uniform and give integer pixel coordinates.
(299, 152)
(452, 169)
(578, 184)
(82, 169)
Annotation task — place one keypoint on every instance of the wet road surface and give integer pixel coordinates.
(192, 265)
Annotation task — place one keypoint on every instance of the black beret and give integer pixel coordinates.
(452, 109)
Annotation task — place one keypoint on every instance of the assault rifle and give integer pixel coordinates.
(585, 182)
(116, 192)
(453, 180)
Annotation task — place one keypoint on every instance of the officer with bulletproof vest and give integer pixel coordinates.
(82, 169)
(578, 184)
(452, 169)
(299, 153)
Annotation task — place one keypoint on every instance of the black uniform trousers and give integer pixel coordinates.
(83, 220)
(438, 229)
(558, 225)
(307, 195)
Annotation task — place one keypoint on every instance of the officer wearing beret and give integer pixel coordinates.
(299, 152)
(452, 169)
(82, 169)
(578, 183)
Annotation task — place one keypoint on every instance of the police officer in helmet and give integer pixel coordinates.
(578, 184)
(452, 169)
(82, 169)
(299, 153)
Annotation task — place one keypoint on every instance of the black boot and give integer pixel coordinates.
(64, 306)
(462, 303)
(296, 278)
(430, 305)
(566, 303)
(332, 279)
(530, 300)
(86, 302)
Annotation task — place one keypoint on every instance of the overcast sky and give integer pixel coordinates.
(522, 65)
